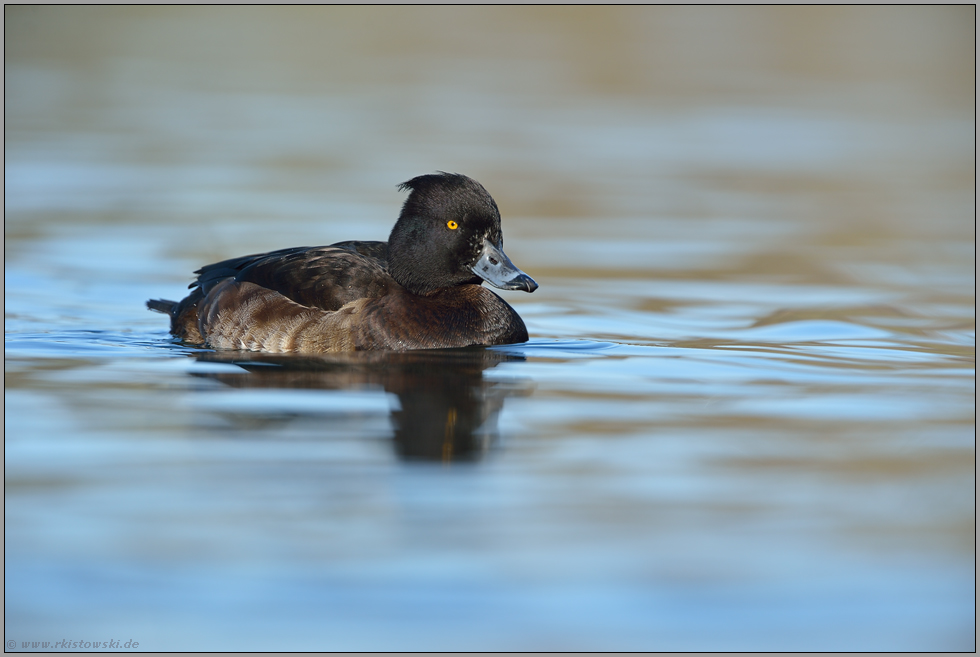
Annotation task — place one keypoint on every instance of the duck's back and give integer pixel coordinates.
(322, 277)
(325, 277)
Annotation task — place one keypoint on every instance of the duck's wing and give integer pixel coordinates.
(376, 250)
(325, 277)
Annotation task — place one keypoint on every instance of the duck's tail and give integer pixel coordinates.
(162, 306)
(183, 316)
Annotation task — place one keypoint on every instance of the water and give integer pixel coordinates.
(745, 418)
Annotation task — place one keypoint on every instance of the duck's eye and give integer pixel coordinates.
(452, 225)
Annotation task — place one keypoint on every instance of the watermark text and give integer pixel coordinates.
(69, 644)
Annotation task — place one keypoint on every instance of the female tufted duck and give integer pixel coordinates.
(420, 290)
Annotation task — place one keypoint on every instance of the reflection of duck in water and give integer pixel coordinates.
(447, 409)
(419, 290)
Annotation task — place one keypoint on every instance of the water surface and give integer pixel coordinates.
(745, 417)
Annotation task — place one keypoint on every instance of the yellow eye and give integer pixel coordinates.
(452, 225)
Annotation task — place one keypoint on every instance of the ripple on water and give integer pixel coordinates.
(746, 418)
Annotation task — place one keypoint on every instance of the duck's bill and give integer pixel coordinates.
(496, 268)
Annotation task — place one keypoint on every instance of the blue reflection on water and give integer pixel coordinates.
(675, 466)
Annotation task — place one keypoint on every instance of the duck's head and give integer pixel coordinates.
(449, 234)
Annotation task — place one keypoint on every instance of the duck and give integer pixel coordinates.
(422, 289)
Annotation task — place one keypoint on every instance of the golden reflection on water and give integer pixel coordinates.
(664, 51)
